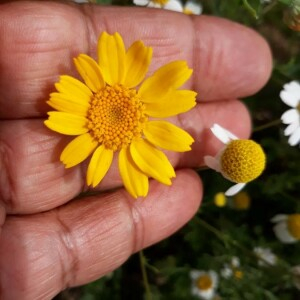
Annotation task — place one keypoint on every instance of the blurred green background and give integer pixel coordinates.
(216, 234)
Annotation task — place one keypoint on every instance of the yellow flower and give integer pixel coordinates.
(109, 115)
(240, 161)
(241, 201)
(220, 199)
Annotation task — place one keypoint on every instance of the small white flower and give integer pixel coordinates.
(173, 5)
(290, 95)
(239, 161)
(204, 284)
(265, 256)
(232, 269)
(226, 271)
(287, 228)
(192, 8)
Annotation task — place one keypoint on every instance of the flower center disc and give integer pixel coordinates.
(294, 225)
(161, 2)
(204, 283)
(116, 116)
(242, 161)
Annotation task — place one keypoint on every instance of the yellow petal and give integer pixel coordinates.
(64, 103)
(99, 165)
(78, 150)
(111, 54)
(169, 77)
(135, 181)
(138, 59)
(168, 136)
(73, 88)
(152, 161)
(66, 123)
(176, 102)
(90, 72)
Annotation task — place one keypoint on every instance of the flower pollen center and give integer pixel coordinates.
(242, 161)
(160, 2)
(293, 224)
(116, 116)
(204, 282)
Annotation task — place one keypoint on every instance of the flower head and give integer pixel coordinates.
(220, 199)
(239, 161)
(287, 228)
(241, 201)
(232, 269)
(204, 284)
(109, 115)
(290, 95)
(265, 256)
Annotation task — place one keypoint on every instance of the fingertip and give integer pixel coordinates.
(233, 60)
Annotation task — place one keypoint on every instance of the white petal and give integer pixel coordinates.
(141, 2)
(226, 272)
(174, 5)
(290, 98)
(207, 294)
(290, 116)
(279, 218)
(282, 233)
(194, 7)
(291, 128)
(194, 274)
(235, 189)
(212, 163)
(235, 262)
(222, 134)
(292, 86)
(295, 137)
(214, 277)
(153, 4)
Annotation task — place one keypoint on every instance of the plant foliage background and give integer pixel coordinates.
(216, 234)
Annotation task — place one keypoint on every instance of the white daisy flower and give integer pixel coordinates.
(204, 284)
(265, 256)
(290, 95)
(239, 161)
(174, 5)
(287, 228)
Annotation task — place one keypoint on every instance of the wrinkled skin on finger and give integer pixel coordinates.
(49, 241)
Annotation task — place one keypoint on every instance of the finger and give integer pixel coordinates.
(39, 41)
(45, 253)
(33, 179)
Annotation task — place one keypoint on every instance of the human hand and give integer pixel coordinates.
(49, 242)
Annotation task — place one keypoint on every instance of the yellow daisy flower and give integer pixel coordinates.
(109, 115)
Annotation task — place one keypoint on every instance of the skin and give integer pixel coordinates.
(50, 242)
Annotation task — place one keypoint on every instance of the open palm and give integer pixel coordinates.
(49, 242)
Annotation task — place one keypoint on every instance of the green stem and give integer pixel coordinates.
(251, 10)
(227, 239)
(267, 125)
(144, 274)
